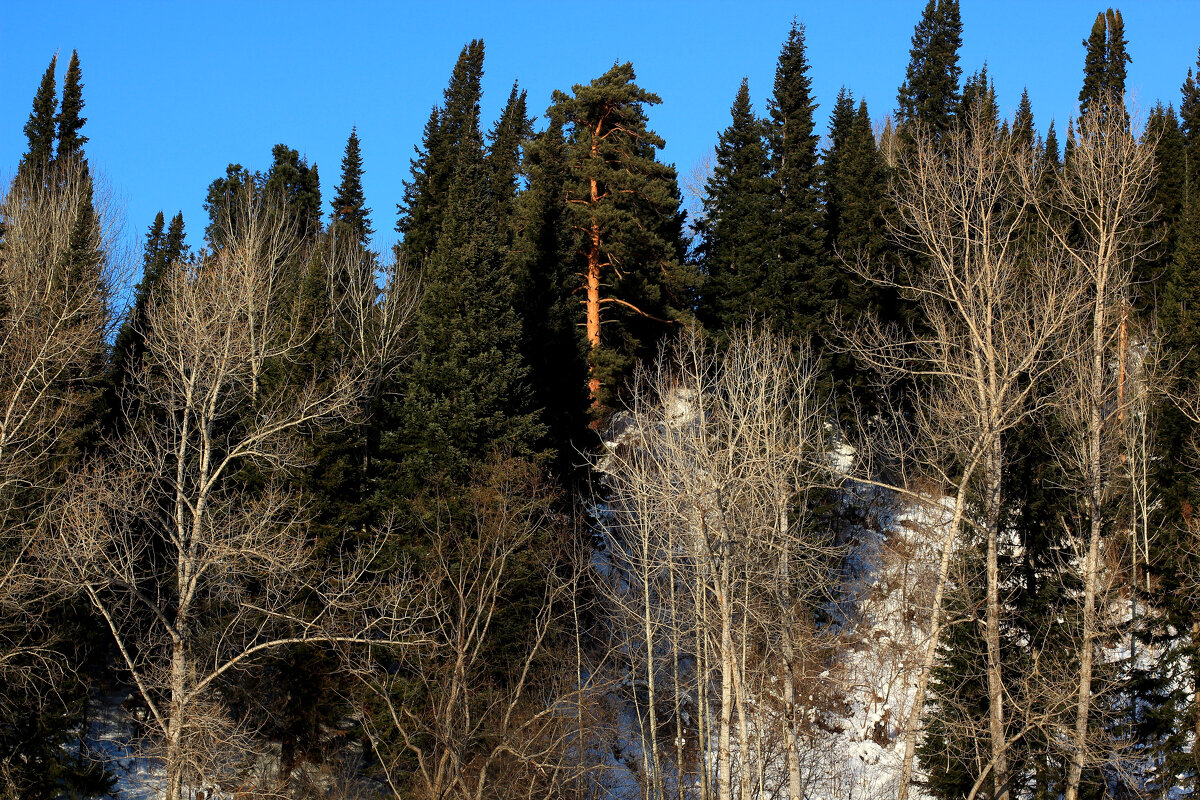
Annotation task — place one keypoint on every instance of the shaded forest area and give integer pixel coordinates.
(876, 479)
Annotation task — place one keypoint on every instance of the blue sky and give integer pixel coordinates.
(177, 90)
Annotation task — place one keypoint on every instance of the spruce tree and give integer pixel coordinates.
(505, 140)
(426, 193)
(39, 130)
(350, 210)
(1167, 198)
(543, 258)
(797, 291)
(855, 201)
(736, 250)
(624, 205)
(223, 195)
(1104, 69)
(69, 121)
(296, 186)
(979, 97)
(930, 93)
(165, 245)
(468, 391)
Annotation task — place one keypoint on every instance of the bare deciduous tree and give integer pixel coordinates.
(989, 333)
(53, 319)
(449, 724)
(186, 540)
(1104, 194)
(715, 563)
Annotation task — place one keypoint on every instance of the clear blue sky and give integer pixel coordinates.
(177, 90)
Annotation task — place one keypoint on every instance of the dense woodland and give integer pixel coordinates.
(571, 495)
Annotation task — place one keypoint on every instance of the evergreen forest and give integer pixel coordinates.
(875, 476)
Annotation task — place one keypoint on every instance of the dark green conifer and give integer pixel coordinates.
(979, 97)
(1189, 123)
(736, 251)
(39, 130)
(544, 260)
(223, 194)
(930, 94)
(165, 245)
(426, 193)
(1104, 69)
(349, 202)
(624, 204)
(505, 139)
(855, 201)
(69, 119)
(1022, 130)
(797, 297)
(1167, 198)
(468, 391)
(296, 186)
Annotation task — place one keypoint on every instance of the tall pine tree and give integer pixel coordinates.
(39, 130)
(624, 206)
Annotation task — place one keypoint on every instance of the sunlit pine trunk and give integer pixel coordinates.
(593, 281)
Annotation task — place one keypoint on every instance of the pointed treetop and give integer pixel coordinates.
(930, 94)
(39, 130)
(510, 131)
(979, 97)
(70, 121)
(349, 202)
(1104, 68)
(1022, 122)
(1189, 115)
(735, 248)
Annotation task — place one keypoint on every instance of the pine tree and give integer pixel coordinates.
(735, 250)
(979, 96)
(223, 195)
(930, 94)
(426, 194)
(1022, 130)
(39, 130)
(349, 203)
(165, 245)
(624, 205)
(1189, 124)
(1170, 155)
(69, 121)
(798, 288)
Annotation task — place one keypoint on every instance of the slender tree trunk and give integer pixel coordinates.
(724, 754)
(1091, 562)
(913, 724)
(994, 670)
(174, 741)
(792, 738)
